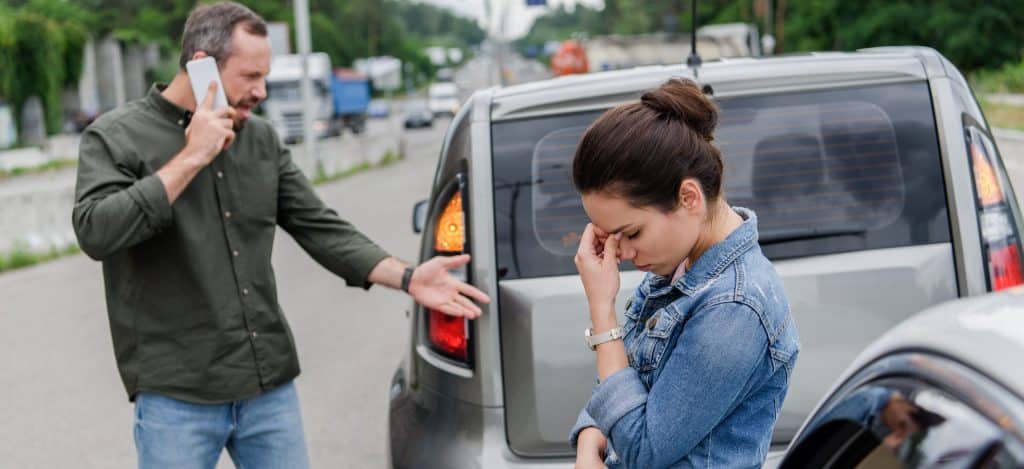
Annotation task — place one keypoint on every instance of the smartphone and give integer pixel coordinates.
(201, 72)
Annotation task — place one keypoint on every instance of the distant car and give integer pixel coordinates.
(942, 389)
(879, 192)
(379, 109)
(417, 114)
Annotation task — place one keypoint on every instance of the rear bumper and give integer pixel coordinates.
(427, 429)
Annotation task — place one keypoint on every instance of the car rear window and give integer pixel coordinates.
(826, 172)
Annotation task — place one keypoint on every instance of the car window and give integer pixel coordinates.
(826, 171)
(903, 424)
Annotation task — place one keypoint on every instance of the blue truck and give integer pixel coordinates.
(351, 93)
(340, 97)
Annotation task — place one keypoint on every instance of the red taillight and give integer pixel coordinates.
(999, 236)
(448, 335)
(1004, 267)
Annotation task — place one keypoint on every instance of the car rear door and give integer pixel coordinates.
(848, 187)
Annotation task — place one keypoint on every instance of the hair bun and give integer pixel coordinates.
(682, 99)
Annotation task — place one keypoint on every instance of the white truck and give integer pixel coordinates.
(443, 98)
(283, 106)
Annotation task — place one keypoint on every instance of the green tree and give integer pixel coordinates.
(41, 41)
(352, 29)
(972, 34)
(41, 45)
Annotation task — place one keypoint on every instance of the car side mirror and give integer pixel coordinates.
(419, 216)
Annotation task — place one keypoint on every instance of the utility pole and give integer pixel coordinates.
(306, 86)
(488, 11)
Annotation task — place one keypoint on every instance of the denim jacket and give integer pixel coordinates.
(710, 358)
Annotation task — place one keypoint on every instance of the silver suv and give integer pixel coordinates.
(879, 192)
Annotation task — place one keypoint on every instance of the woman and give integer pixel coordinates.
(709, 343)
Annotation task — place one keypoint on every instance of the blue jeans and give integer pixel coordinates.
(263, 432)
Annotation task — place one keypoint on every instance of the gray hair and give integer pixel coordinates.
(209, 29)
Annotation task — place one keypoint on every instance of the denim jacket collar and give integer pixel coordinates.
(711, 263)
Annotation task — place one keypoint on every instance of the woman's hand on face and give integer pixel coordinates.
(598, 264)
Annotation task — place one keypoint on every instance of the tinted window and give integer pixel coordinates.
(903, 424)
(826, 172)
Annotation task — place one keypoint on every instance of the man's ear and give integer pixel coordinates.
(199, 54)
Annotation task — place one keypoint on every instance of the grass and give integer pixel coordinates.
(1003, 116)
(1008, 79)
(48, 166)
(324, 179)
(22, 256)
(389, 158)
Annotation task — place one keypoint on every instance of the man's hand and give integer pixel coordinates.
(591, 446)
(211, 130)
(434, 287)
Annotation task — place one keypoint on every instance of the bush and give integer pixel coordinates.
(1008, 79)
(40, 54)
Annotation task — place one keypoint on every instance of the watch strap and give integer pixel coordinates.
(406, 278)
(593, 340)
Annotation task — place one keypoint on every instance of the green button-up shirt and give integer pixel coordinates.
(190, 288)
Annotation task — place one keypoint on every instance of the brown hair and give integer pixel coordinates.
(643, 151)
(209, 29)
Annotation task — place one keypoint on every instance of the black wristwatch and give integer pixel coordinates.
(407, 278)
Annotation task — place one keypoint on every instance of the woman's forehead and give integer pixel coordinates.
(611, 213)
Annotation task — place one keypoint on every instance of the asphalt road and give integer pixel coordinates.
(62, 401)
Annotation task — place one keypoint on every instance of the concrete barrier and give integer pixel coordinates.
(35, 210)
(1008, 134)
(342, 154)
(57, 147)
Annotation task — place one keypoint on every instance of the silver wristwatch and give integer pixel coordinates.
(593, 340)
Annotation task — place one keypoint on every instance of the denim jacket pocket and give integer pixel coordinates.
(630, 312)
(653, 340)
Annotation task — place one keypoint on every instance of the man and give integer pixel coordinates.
(180, 202)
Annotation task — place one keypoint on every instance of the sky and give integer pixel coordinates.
(519, 17)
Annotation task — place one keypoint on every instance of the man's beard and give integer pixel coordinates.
(249, 104)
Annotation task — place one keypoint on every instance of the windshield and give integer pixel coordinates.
(291, 90)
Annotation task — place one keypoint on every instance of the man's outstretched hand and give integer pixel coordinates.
(433, 286)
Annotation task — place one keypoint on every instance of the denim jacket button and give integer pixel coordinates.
(651, 322)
